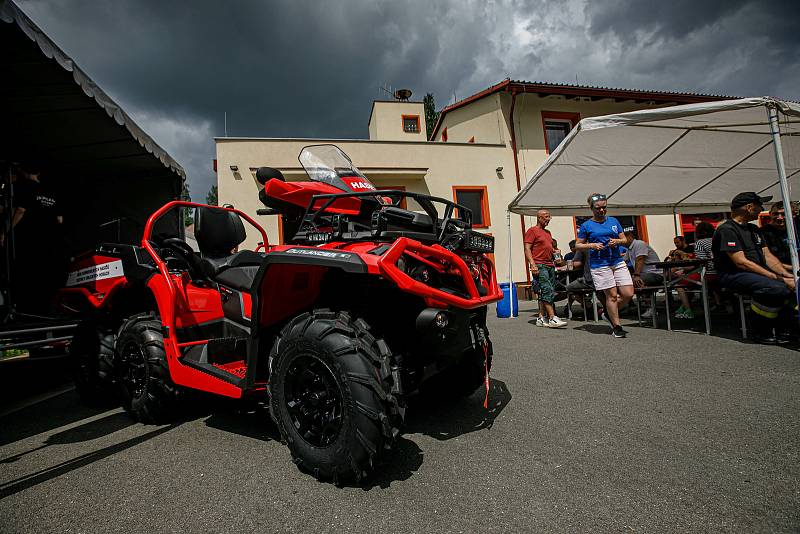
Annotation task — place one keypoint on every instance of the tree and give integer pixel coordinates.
(188, 220)
(211, 197)
(431, 115)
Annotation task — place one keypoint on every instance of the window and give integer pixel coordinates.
(394, 188)
(474, 198)
(411, 123)
(557, 126)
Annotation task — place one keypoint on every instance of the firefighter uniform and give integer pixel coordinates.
(770, 298)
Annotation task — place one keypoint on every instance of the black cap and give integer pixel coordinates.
(743, 199)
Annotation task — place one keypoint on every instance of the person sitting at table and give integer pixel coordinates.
(558, 259)
(583, 282)
(702, 251)
(602, 235)
(641, 256)
(571, 254)
(682, 250)
(776, 235)
(745, 265)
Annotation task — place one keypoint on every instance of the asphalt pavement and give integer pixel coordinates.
(659, 432)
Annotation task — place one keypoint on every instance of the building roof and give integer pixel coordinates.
(575, 91)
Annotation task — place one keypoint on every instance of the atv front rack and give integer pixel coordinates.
(389, 268)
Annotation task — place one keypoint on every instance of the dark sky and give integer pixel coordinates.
(296, 68)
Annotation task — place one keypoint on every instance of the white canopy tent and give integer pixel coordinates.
(692, 159)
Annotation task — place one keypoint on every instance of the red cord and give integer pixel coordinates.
(486, 374)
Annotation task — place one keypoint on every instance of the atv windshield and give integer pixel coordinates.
(329, 165)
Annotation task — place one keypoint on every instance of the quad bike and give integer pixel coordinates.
(367, 303)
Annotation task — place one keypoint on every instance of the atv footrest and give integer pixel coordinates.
(238, 368)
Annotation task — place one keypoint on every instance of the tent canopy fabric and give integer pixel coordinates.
(107, 172)
(692, 159)
(52, 108)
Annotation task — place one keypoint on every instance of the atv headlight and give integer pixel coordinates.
(479, 242)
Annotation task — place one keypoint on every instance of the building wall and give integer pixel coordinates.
(482, 119)
(386, 121)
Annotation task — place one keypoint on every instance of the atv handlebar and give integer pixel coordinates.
(425, 201)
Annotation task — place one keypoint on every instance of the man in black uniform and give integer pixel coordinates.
(36, 223)
(745, 265)
(776, 235)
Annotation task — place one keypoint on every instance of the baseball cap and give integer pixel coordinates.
(742, 199)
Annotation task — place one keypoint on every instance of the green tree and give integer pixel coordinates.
(431, 115)
(211, 197)
(188, 220)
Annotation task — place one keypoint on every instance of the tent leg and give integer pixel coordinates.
(772, 112)
(510, 265)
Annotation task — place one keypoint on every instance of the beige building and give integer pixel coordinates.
(482, 151)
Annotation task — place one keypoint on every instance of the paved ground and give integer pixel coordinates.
(658, 432)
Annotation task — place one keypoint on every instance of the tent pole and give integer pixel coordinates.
(772, 112)
(510, 263)
(675, 219)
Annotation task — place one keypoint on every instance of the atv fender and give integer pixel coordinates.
(288, 281)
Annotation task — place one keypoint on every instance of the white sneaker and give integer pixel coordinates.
(555, 322)
(541, 321)
(648, 314)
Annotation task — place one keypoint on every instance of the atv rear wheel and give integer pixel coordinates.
(331, 395)
(147, 390)
(92, 354)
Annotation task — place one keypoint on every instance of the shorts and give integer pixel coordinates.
(611, 276)
(547, 283)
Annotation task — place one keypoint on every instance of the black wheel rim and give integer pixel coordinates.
(134, 370)
(314, 400)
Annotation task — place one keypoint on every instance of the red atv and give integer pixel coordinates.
(368, 302)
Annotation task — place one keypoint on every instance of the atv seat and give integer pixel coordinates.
(218, 232)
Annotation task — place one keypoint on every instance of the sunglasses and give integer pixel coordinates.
(595, 198)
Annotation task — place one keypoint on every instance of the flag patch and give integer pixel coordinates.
(731, 244)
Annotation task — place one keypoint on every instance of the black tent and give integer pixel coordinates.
(109, 173)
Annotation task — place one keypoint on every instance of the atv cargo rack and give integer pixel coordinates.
(319, 226)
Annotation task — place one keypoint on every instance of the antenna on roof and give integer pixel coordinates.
(386, 90)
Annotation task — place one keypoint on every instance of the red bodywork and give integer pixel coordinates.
(290, 289)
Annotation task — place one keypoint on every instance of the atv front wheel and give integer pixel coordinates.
(147, 390)
(92, 354)
(331, 394)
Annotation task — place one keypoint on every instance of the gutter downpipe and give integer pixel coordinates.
(519, 181)
(772, 112)
(510, 265)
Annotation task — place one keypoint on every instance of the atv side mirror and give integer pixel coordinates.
(265, 174)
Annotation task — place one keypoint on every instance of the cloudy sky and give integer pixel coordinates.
(298, 68)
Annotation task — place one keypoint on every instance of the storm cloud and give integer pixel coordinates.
(311, 69)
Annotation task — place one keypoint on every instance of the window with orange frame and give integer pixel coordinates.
(476, 198)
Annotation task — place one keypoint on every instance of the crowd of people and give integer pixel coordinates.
(740, 257)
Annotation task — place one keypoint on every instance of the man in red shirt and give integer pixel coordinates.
(539, 253)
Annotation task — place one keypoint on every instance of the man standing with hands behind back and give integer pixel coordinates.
(539, 253)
